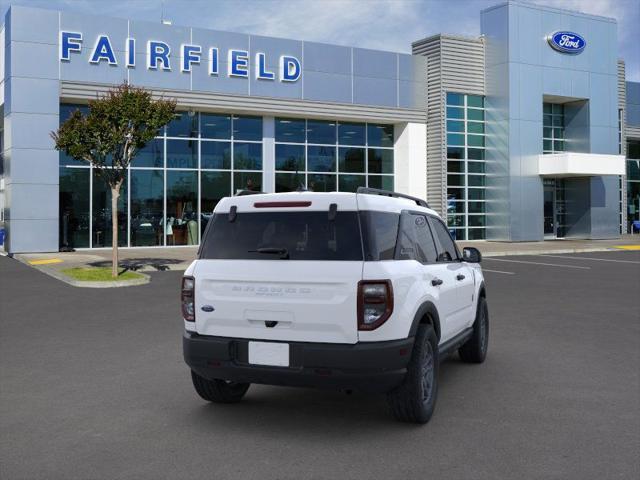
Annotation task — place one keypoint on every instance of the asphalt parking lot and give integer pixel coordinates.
(93, 386)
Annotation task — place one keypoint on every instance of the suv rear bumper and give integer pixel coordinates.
(368, 367)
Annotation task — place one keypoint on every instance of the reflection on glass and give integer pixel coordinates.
(289, 182)
(290, 130)
(351, 159)
(476, 167)
(477, 115)
(475, 154)
(182, 154)
(215, 155)
(380, 161)
(455, 126)
(151, 155)
(455, 139)
(455, 112)
(147, 187)
(213, 187)
(475, 140)
(247, 128)
(66, 109)
(101, 216)
(379, 135)
(247, 181)
(215, 126)
(476, 194)
(320, 131)
(321, 159)
(455, 98)
(384, 182)
(247, 156)
(290, 157)
(455, 193)
(321, 183)
(455, 167)
(182, 208)
(455, 152)
(476, 207)
(477, 234)
(74, 207)
(350, 183)
(351, 133)
(475, 101)
(184, 124)
(475, 127)
(455, 180)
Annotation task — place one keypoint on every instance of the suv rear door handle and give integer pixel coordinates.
(436, 281)
(460, 277)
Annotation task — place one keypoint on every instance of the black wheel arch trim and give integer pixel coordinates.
(427, 308)
(482, 291)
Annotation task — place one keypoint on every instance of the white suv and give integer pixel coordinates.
(362, 291)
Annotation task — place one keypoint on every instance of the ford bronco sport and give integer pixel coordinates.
(355, 291)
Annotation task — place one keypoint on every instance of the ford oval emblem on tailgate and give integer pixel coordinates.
(207, 308)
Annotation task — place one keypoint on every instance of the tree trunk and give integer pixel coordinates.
(115, 193)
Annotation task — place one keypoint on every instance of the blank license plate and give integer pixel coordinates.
(268, 353)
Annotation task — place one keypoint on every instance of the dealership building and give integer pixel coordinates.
(525, 133)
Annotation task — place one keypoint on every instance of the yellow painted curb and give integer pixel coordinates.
(47, 261)
(628, 247)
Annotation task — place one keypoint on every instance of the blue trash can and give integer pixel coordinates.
(1, 236)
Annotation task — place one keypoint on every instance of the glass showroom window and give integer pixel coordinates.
(327, 156)
(466, 212)
(173, 185)
(552, 128)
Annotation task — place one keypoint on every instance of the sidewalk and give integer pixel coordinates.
(179, 258)
(500, 249)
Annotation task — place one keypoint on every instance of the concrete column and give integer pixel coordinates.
(410, 154)
(268, 154)
(31, 113)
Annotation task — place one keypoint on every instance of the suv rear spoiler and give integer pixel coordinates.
(389, 193)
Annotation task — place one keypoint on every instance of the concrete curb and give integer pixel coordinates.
(83, 284)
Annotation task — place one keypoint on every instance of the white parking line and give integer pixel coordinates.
(535, 263)
(590, 258)
(498, 271)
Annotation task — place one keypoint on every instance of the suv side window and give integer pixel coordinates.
(447, 251)
(414, 239)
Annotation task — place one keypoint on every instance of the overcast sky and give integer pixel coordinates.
(379, 24)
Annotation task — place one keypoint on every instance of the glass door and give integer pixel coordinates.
(555, 208)
(549, 207)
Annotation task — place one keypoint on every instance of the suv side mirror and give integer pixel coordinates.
(471, 255)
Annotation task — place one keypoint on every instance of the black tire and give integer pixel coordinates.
(219, 391)
(475, 349)
(415, 400)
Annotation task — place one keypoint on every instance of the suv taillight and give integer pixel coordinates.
(187, 299)
(375, 303)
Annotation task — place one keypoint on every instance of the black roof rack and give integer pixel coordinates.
(242, 193)
(389, 193)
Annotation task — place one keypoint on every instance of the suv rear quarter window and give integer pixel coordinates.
(415, 241)
(380, 232)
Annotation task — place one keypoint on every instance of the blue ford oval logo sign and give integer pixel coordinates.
(567, 42)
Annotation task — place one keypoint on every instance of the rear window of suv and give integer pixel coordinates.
(283, 235)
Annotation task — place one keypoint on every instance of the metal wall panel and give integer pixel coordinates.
(455, 64)
(73, 91)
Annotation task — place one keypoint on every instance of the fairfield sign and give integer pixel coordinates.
(159, 56)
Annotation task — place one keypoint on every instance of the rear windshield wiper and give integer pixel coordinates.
(283, 252)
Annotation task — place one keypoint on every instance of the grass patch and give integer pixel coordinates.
(99, 274)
